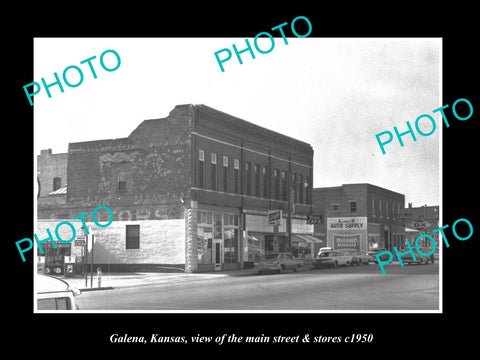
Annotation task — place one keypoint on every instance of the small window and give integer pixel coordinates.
(132, 237)
(201, 155)
(213, 158)
(236, 164)
(353, 207)
(335, 207)
(57, 183)
(122, 181)
(225, 161)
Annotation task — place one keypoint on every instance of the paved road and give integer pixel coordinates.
(413, 287)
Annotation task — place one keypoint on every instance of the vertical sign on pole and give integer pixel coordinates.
(91, 267)
(85, 251)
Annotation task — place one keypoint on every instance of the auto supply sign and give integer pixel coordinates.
(347, 233)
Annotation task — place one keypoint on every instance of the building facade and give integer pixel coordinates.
(421, 220)
(192, 190)
(359, 216)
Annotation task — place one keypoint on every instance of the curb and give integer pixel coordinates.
(97, 288)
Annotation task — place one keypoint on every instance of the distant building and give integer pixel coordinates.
(359, 216)
(416, 217)
(192, 190)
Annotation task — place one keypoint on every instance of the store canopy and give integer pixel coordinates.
(307, 239)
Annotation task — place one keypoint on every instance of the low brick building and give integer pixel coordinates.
(191, 190)
(359, 216)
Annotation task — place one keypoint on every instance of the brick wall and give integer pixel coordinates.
(49, 167)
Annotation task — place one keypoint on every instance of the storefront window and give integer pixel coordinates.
(230, 238)
(204, 245)
(255, 247)
(54, 255)
(217, 227)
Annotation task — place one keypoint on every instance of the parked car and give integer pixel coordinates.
(358, 257)
(373, 252)
(324, 249)
(55, 294)
(407, 258)
(279, 263)
(331, 259)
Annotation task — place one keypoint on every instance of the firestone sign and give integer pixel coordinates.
(346, 242)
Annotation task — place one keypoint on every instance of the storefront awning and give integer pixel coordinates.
(307, 238)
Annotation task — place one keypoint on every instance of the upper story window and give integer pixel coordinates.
(213, 158)
(353, 207)
(122, 181)
(248, 178)
(276, 184)
(284, 186)
(201, 168)
(256, 171)
(335, 207)
(57, 183)
(236, 175)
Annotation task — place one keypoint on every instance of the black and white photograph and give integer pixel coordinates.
(207, 182)
(222, 179)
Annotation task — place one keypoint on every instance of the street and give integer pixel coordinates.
(413, 287)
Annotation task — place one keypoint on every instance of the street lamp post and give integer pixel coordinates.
(289, 222)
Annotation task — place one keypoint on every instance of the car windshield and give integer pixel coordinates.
(325, 254)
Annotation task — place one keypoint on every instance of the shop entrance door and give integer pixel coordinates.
(218, 254)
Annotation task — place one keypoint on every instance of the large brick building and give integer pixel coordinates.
(190, 190)
(360, 216)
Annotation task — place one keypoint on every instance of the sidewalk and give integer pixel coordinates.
(124, 280)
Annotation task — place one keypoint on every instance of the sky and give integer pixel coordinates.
(334, 93)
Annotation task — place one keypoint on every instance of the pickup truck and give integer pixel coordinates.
(279, 263)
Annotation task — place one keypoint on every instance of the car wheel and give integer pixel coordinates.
(282, 268)
(335, 264)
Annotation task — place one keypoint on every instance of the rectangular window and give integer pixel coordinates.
(236, 175)
(276, 184)
(300, 190)
(201, 168)
(380, 208)
(284, 186)
(353, 207)
(57, 183)
(373, 207)
(121, 181)
(295, 188)
(335, 207)
(132, 236)
(214, 171)
(308, 192)
(248, 178)
(230, 238)
(265, 182)
(386, 210)
(256, 171)
(225, 173)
